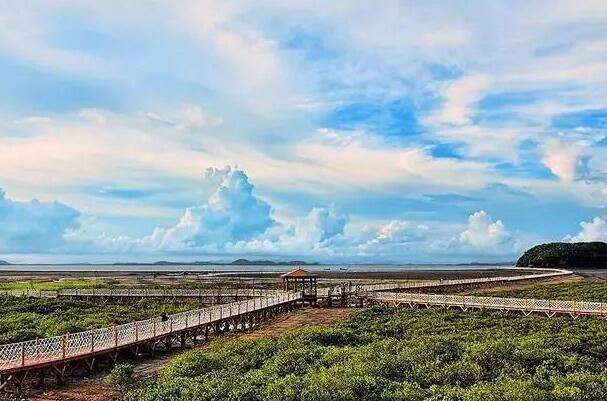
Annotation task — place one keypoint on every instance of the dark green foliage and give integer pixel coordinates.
(390, 354)
(587, 290)
(566, 255)
(23, 318)
(121, 374)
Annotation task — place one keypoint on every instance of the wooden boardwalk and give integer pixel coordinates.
(466, 302)
(55, 353)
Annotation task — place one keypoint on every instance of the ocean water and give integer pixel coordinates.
(243, 268)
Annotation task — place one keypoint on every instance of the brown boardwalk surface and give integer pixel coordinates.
(99, 389)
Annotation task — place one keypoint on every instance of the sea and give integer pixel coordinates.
(225, 268)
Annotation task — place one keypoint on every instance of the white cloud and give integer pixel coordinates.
(25, 33)
(460, 97)
(595, 230)
(320, 232)
(484, 233)
(563, 159)
(231, 214)
(34, 226)
(361, 160)
(189, 116)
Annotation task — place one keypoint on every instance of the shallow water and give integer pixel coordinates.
(244, 268)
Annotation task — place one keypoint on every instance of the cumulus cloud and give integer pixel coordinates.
(33, 226)
(393, 239)
(595, 230)
(232, 213)
(562, 159)
(483, 232)
(320, 232)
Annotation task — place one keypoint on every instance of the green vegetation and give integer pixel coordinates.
(24, 318)
(386, 354)
(121, 374)
(53, 285)
(567, 255)
(588, 290)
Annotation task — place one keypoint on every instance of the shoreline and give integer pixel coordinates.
(402, 274)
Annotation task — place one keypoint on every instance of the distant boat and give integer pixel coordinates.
(343, 268)
(327, 268)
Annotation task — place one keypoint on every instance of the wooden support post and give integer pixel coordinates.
(41, 377)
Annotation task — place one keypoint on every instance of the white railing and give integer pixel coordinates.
(44, 350)
(547, 273)
(547, 306)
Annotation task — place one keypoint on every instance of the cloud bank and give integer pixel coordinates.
(34, 226)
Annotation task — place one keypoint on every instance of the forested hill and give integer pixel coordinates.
(566, 255)
(4, 262)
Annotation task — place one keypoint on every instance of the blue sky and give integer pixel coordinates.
(350, 131)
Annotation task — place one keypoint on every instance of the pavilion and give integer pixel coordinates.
(301, 280)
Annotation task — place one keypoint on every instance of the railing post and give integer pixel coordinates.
(154, 327)
(92, 341)
(64, 346)
(186, 320)
(115, 336)
(22, 354)
(171, 324)
(136, 332)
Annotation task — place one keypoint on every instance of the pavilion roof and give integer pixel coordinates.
(299, 272)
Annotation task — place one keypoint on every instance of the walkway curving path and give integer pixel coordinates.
(18, 359)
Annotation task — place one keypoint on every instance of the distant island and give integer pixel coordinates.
(566, 255)
(4, 262)
(237, 262)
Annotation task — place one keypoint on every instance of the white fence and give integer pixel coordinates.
(550, 307)
(546, 273)
(40, 351)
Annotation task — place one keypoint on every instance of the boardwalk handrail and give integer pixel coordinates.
(546, 273)
(574, 308)
(70, 346)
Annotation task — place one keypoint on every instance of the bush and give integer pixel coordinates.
(435, 355)
(121, 374)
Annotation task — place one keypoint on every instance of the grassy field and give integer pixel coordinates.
(53, 285)
(23, 318)
(390, 354)
(587, 290)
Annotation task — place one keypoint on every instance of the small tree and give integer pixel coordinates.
(121, 374)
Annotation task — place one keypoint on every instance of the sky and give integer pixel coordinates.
(347, 131)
